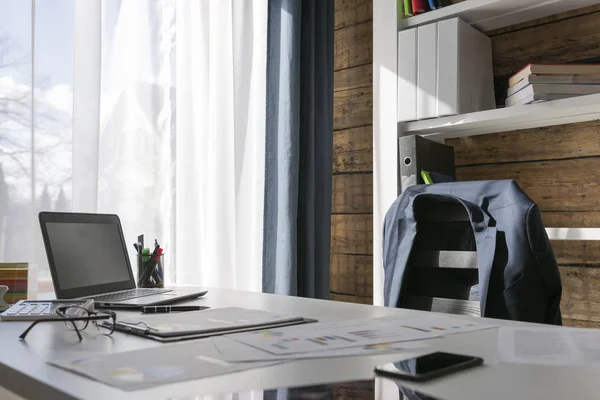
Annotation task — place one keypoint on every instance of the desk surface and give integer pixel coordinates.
(24, 371)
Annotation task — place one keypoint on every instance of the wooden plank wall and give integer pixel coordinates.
(559, 167)
(352, 203)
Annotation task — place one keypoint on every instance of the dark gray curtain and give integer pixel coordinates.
(299, 142)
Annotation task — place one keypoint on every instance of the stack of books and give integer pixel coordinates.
(544, 82)
(416, 7)
(14, 275)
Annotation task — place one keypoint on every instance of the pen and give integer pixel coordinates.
(168, 309)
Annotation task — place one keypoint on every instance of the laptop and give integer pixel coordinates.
(88, 259)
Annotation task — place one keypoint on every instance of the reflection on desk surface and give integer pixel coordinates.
(356, 390)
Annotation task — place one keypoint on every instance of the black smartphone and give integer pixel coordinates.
(428, 366)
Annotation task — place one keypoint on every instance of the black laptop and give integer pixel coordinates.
(88, 259)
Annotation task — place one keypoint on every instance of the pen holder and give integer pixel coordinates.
(151, 273)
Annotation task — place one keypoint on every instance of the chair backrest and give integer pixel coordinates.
(442, 273)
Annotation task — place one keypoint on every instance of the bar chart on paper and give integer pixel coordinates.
(363, 332)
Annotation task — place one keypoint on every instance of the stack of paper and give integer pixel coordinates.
(354, 337)
(235, 352)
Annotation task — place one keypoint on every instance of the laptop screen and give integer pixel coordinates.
(87, 254)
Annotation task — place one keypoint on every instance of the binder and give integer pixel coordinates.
(407, 75)
(465, 81)
(418, 154)
(200, 324)
(427, 67)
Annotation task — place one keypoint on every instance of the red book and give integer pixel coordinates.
(419, 6)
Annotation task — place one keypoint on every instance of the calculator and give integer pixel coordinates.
(32, 310)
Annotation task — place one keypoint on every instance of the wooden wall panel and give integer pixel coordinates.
(577, 252)
(353, 46)
(353, 150)
(352, 194)
(548, 143)
(352, 234)
(352, 108)
(581, 294)
(566, 40)
(352, 274)
(589, 219)
(353, 78)
(350, 298)
(562, 185)
(352, 203)
(352, 12)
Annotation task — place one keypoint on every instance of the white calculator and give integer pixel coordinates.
(31, 310)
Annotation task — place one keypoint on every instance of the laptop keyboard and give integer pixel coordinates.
(129, 294)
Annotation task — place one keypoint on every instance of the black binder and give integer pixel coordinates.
(417, 154)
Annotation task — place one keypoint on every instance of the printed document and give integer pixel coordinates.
(319, 337)
(549, 346)
(234, 351)
(146, 368)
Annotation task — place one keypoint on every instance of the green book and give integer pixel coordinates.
(426, 177)
(407, 8)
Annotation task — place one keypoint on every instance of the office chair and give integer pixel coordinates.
(442, 271)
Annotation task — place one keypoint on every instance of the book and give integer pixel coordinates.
(554, 69)
(432, 5)
(419, 6)
(15, 276)
(407, 8)
(407, 75)
(553, 79)
(555, 89)
(541, 97)
(426, 71)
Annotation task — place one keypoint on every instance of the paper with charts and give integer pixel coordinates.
(549, 346)
(154, 366)
(234, 351)
(361, 332)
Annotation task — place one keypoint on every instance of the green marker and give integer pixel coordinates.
(145, 255)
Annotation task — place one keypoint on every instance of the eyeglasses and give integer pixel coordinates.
(78, 318)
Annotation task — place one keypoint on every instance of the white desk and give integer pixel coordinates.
(23, 369)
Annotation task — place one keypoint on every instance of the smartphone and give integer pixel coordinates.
(428, 366)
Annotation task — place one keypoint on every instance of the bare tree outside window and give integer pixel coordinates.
(35, 124)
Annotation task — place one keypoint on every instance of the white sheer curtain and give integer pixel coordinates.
(168, 129)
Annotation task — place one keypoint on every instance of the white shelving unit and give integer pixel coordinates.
(484, 15)
(557, 112)
(487, 15)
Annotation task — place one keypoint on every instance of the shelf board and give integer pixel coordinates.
(556, 112)
(487, 15)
